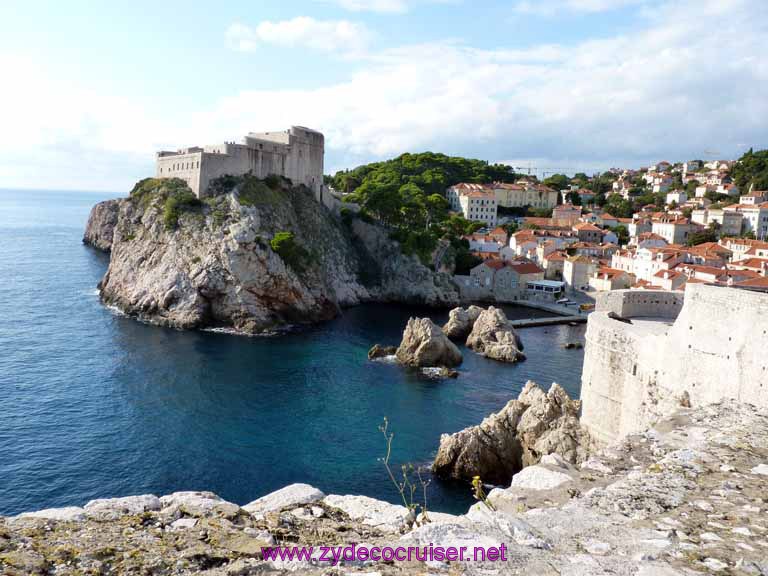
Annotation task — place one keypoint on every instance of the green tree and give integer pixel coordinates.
(751, 170)
(557, 181)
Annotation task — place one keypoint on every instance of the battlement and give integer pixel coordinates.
(676, 351)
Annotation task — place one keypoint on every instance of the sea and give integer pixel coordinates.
(94, 404)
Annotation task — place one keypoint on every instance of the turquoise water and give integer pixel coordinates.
(97, 405)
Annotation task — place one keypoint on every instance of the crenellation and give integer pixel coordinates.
(296, 154)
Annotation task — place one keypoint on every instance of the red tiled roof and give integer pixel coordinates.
(525, 267)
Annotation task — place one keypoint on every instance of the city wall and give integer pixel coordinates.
(709, 346)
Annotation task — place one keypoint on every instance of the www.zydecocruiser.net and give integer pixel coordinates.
(355, 553)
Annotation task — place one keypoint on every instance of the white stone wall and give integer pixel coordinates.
(297, 154)
(636, 373)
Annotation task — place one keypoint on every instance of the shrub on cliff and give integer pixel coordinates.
(176, 202)
(292, 253)
(254, 192)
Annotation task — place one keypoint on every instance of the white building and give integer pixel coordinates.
(678, 197)
(296, 153)
(476, 202)
(754, 218)
(673, 230)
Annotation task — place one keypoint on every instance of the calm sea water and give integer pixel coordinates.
(93, 404)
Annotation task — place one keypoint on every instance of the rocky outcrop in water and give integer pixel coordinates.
(379, 351)
(687, 497)
(101, 225)
(461, 321)
(537, 423)
(494, 337)
(252, 259)
(424, 344)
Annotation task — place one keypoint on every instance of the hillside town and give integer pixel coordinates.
(656, 228)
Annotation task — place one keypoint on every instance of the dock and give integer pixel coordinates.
(564, 315)
(533, 322)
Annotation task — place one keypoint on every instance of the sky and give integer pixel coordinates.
(91, 90)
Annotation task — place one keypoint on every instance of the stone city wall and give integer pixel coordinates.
(636, 373)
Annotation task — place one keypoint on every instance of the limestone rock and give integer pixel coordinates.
(214, 267)
(536, 424)
(379, 351)
(461, 321)
(101, 225)
(198, 504)
(538, 478)
(293, 495)
(424, 344)
(494, 337)
(377, 513)
(66, 514)
(112, 508)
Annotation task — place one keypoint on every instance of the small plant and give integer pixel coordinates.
(406, 487)
(479, 493)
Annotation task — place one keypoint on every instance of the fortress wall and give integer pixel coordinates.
(634, 375)
(184, 166)
(641, 303)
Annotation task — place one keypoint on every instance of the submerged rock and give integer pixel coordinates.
(494, 337)
(439, 373)
(461, 321)
(424, 344)
(536, 424)
(379, 351)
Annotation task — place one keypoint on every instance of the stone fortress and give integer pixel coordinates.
(296, 153)
(676, 351)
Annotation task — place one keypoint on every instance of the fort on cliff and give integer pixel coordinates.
(679, 350)
(296, 153)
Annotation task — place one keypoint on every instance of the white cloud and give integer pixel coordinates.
(339, 36)
(673, 88)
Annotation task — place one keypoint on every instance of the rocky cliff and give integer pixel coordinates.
(101, 225)
(253, 258)
(686, 497)
(534, 425)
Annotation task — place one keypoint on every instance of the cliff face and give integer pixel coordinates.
(213, 264)
(101, 225)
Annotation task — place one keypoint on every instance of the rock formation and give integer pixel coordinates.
(535, 424)
(494, 337)
(379, 351)
(681, 499)
(213, 264)
(101, 225)
(424, 344)
(461, 321)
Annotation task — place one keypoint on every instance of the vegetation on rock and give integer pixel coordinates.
(407, 194)
(292, 253)
(751, 170)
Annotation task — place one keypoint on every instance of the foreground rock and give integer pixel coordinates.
(424, 344)
(461, 321)
(494, 337)
(684, 498)
(101, 225)
(534, 425)
(221, 263)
